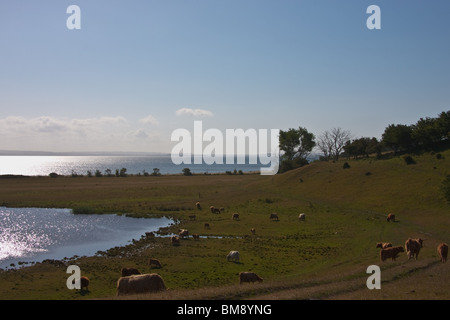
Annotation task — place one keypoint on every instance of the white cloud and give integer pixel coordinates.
(194, 112)
(151, 120)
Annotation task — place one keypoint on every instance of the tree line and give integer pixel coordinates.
(427, 134)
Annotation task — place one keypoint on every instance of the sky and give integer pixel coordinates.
(138, 70)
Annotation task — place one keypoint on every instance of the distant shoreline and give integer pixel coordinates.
(79, 153)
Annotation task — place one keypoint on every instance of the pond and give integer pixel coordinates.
(35, 234)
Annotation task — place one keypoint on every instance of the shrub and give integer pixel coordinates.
(409, 160)
(187, 172)
(346, 165)
(53, 175)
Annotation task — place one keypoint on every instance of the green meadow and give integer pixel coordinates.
(323, 257)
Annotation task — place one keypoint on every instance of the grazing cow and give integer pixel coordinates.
(175, 241)
(274, 216)
(183, 233)
(249, 277)
(391, 252)
(196, 236)
(155, 262)
(233, 256)
(443, 251)
(199, 207)
(129, 272)
(391, 217)
(216, 210)
(253, 231)
(412, 247)
(301, 217)
(138, 284)
(207, 226)
(384, 245)
(235, 216)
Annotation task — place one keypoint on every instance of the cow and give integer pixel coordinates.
(175, 241)
(253, 231)
(442, 250)
(235, 216)
(274, 216)
(391, 252)
(183, 233)
(216, 210)
(84, 283)
(207, 226)
(412, 247)
(199, 207)
(196, 236)
(301, 217)
(155, 262)
(233, 256)
(212, 209)
(249, 277)
(391, 217)
(129, 271)
(139, 284)
(384, 245)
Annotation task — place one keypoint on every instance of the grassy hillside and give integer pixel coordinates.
(325, 256)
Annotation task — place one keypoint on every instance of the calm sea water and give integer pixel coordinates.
(36, 234)
(66, 165)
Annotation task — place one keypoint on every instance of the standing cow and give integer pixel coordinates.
(233, 256)
(443, 251)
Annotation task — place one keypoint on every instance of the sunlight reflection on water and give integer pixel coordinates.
(32, 234)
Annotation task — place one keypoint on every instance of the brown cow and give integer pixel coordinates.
(175, 240)
(443, 251)
(84, 282)
(183, 233)
(274, 216)
(412, 247)
(391, 252)
(142, 283)
(155, 262)
(129, 271)
(199, 207)
(384, 245)
(391, 217)
(235, 216)
(253, 231)
(249, 277)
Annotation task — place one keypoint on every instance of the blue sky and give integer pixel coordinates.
(137, 70)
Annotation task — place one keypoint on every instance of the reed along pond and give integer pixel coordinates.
(36, 234)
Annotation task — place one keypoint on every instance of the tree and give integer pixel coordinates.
(156, 172)
(297, 145)
(187, 172)
(332, 142)
(398, 137)
(362, 147)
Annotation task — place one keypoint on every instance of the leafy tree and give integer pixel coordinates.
(297, 145)
(187, 172)
(156, 172)
(398, 137)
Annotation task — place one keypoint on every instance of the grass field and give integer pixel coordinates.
(323, 257)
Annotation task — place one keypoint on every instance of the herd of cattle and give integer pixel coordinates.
(412, 247)
(133, 282)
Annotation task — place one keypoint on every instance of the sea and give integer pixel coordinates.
(43, 165)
